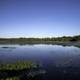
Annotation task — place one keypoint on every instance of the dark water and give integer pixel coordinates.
(60, 62)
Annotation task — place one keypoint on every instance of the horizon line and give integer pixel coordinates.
(42, 37)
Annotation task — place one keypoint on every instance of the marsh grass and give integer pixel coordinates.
(17, 70)
(18, 66)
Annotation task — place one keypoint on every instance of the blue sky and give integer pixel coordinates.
(39, 18)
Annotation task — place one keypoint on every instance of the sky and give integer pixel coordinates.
(39, 18)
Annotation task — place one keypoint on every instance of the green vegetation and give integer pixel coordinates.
(12, 78)
(39, 40)
(20, 71)
(18, 66)
(65, 41)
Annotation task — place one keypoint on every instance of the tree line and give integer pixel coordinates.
(41, 40)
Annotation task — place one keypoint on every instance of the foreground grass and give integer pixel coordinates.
(19, 71)
(18, 66)
(12, 78)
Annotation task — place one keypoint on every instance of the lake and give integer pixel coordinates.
(60, 62)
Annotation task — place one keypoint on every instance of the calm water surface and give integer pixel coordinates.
(60, 62)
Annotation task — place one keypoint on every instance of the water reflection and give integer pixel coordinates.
(58, 60)
(57, 54)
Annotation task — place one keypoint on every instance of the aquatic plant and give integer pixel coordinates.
(20, 70)
(18, 66)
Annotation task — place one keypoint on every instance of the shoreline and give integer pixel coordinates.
(77, 44)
